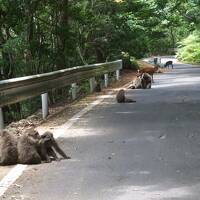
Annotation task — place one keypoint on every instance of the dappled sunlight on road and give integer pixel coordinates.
(125, 112)
(133, 192)
(148, 150)
(106, 96)
(179, 81)
(172, 85)
(140, 172)
(77, 132)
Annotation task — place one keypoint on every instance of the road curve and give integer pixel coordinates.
(138, 151)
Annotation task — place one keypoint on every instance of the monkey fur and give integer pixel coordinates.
(28, 145)
(51, 146)
(8, 148)
(120, 97)
(146, 81)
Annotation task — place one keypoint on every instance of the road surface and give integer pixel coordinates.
(149, 150)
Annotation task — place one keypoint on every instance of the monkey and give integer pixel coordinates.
(149, 70)
(137, 84)
(8, 148)
(120, 97)
(51, 146)
(146, 81)
(168, 63)
(29, 148)
(143, 81)
(98, 87)
(155, 60)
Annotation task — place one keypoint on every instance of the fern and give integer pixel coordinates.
(189, 48)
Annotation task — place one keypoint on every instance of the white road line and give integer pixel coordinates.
(17, 171)
(11, 177)
(62, 130)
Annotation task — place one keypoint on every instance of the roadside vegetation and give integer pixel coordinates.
(42, 36)
(189, 48)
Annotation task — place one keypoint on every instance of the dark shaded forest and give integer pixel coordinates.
(38, 36)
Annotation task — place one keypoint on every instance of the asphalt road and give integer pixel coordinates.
(138, 151)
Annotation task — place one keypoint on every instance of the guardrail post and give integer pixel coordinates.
(117, 74)
(74, 91)
(106, 80)
(1, 119)
(159, 60)
(92, 84)
(45, 107)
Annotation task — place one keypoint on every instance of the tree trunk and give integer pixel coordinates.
(62, 33)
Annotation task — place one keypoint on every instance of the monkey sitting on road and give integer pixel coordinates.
(8, 148)
(137, 84)
(146, 81)
(143, 81)
(47, 140)
(29, 148)
(120, 97)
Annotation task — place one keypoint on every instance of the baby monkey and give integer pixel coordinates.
(120, 97)
(50, 146)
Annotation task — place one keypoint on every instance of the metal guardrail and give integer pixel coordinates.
(18, 89)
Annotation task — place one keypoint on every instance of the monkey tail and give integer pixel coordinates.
(129, 101)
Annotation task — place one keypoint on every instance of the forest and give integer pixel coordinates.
(39, 36)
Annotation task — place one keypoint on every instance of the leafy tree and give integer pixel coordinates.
(42, 36)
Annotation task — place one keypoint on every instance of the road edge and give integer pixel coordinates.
(18, 170)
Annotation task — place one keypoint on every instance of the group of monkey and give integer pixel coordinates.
(143, 81)
(33, 148)
(30, 148)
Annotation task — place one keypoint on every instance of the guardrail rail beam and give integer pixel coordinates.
(18, 89)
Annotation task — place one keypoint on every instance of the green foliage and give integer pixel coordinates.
(129, 62)
(134, 63)
(84, 87)
(189, 49)
(43, 36)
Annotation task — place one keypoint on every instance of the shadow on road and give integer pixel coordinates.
(140, 151)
